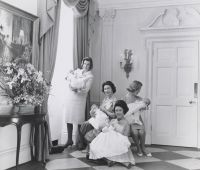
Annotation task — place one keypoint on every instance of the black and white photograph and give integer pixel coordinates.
(99, 84)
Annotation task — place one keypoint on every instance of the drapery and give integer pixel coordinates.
(49, 14)
(81, 47)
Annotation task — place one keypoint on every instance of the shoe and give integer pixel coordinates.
(68, 144)
(148, 154)
(80, 146)
(56, 149)
(140, 154)
(129, 166)
(110, 163)
(87, 156)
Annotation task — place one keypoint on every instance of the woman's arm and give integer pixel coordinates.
(126, 130)
(87, 87)
(108, 113)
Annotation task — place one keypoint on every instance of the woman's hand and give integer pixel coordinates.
(92, 113)
(73, 89)
(103, 109)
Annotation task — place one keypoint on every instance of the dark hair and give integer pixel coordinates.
(111, 84)
(88, 59)
(122, 104)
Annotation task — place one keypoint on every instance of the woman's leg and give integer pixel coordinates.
(81, 141)
(135, 136)
(142, 136)
(69, 132)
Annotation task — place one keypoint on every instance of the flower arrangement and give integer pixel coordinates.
(127, 62)
(23, 83)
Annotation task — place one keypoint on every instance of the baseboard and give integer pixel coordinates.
(8, 156)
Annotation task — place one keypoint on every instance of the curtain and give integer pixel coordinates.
(81, 45)
(49, 14)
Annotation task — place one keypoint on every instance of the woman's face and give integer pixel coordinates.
(136, 92)
(119, 112)
(107, 90)
(86, 65)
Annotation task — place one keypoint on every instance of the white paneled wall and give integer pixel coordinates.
(119, 27)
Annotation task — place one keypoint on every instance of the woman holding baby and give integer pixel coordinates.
(107, 105)
(79, 82)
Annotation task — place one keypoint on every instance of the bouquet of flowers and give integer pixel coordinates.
(23, 83)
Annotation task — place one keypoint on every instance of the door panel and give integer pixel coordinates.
(174, 108)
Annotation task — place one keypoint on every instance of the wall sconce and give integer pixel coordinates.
(126, 61)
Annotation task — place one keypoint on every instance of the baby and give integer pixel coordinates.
(99, 119)
(133, 115)
(75, 81)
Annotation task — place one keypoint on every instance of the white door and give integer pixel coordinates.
(174, 99)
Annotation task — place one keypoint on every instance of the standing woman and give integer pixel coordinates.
(76, 99)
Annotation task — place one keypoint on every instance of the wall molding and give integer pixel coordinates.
(8, 156)
(131, 4)
(107, 14)
(175, 18)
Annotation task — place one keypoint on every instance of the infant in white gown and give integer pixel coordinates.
(133, 115)
(75, 79)
(100, 119)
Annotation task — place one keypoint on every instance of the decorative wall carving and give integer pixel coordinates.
(176, 18)
(107, 14)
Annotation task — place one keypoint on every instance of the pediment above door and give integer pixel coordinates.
(175, 18)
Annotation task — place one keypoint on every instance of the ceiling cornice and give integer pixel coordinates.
(131, 4)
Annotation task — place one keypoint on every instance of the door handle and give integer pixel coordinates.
(195, 90)
(192, 102)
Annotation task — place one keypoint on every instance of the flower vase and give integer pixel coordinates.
(24, 109)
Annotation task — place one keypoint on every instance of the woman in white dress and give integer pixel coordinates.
(76, 99)
(113, 143)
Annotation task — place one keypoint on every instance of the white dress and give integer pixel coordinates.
(112, 145)
(76, 101)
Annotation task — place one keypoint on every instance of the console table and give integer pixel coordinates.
(18, 121)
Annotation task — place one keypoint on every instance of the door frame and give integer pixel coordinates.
(150, 42)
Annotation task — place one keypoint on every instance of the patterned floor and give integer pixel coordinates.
(163, 158)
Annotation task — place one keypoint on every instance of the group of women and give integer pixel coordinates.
(111, 141)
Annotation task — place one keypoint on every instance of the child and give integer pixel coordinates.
(98, 118)
(134, 113)
(113, 143)
(137, 105)
(75, 79)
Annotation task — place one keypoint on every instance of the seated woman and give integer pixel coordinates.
(113, 143)
(137, 128)
(107, 105)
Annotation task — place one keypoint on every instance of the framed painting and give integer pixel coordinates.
(18, 34)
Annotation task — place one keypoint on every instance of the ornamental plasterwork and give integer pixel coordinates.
(178, 17)
(107, 14)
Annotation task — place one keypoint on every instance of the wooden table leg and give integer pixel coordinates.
(18, 143)
(31, 141)
(44, 140)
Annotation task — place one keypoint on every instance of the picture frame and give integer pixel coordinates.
(18, 34)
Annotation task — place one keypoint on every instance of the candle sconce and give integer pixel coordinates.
(126, 62)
